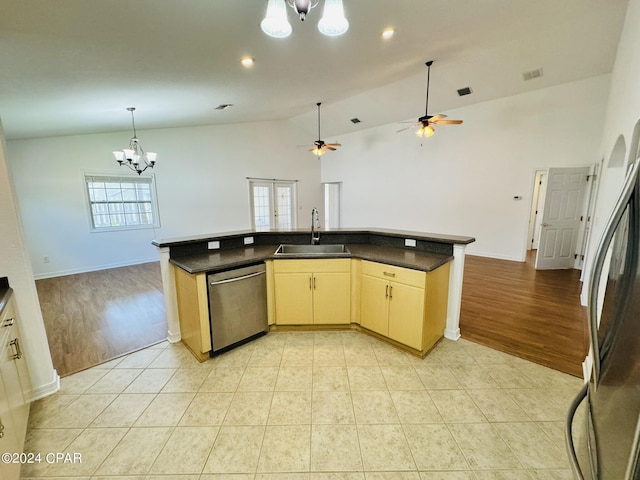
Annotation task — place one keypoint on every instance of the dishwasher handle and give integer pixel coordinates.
(237, 279)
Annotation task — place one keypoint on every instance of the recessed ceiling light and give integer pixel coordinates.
(248, 61)
(387, 33)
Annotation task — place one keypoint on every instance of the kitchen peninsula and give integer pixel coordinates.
(419, 277)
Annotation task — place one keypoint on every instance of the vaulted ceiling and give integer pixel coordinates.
(74, 66)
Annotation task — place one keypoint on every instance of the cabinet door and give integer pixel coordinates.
(331, 298)
(293, 298)
(406, 314)
(374, 305)
(11, 402)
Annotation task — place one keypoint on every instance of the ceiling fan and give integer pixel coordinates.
(427, 121)
(319, 146)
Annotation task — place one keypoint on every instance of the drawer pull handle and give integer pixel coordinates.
(389, 274)
(390, 292)
(8, 322)
(386, 291)
(16, 343)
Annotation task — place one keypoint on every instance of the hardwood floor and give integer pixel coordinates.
(94, 317)
(533, 314)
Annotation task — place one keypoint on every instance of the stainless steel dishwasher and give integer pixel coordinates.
(237, 306)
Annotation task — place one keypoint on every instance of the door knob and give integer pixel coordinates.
(546, 224)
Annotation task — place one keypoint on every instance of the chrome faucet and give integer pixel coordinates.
(315, 225)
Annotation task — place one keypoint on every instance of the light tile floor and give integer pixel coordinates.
(309, 406)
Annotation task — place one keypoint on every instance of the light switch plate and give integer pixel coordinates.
(214, 245)
(248, 240)
(409, 242)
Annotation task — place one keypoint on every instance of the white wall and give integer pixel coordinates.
(622, 117)
(16, 266)
(462, 180)
(200, 181)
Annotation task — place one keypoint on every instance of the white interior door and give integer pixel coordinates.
(560, 223)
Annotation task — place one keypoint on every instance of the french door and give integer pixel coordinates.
(273, 204)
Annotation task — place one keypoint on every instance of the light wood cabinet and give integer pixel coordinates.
(310, 292)
(407, 306)
(15, 390)
(193, 312)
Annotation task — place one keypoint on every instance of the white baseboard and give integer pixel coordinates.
(173, 337)
(47, 389)
(452, 334)
(62, 273)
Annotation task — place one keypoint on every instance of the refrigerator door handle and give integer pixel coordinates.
(568, 434)
(598, 264)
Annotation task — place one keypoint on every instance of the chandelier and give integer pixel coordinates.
(132, 156)
(276, 24)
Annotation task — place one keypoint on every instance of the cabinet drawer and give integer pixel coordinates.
(321, 265)
(407, 276)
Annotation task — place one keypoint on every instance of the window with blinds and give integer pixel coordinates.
(118, 203)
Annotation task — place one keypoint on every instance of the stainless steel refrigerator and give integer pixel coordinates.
(607, 425)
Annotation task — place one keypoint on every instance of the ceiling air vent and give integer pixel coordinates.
(224, 106)
(531, 74)
(355, 120)
(464, 91)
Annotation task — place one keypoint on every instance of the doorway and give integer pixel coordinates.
(558, 217)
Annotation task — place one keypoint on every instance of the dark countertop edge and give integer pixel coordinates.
(430, 237)
(5, 293)
(187, 263)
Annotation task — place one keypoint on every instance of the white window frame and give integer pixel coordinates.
(89, 177)
(272, 185)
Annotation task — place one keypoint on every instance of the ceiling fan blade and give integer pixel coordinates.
(407, 128)
(329, 147)
(437, 117)
(334, 144)
(448, 122)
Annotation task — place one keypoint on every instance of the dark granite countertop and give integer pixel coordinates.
(224, 259)
(429, 237)
(233, 258)
(5, 293)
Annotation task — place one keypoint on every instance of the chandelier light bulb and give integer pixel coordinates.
(275, 23)
(333, 21)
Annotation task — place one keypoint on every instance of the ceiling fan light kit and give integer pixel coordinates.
(276, 24)
(132, 156)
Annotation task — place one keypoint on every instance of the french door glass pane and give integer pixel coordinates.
(284, 220)
(262, 207)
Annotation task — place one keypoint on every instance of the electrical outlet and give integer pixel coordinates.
(214, 245)
(248, 240)
(409, 242)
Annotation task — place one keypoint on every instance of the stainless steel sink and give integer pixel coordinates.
(324, 250)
